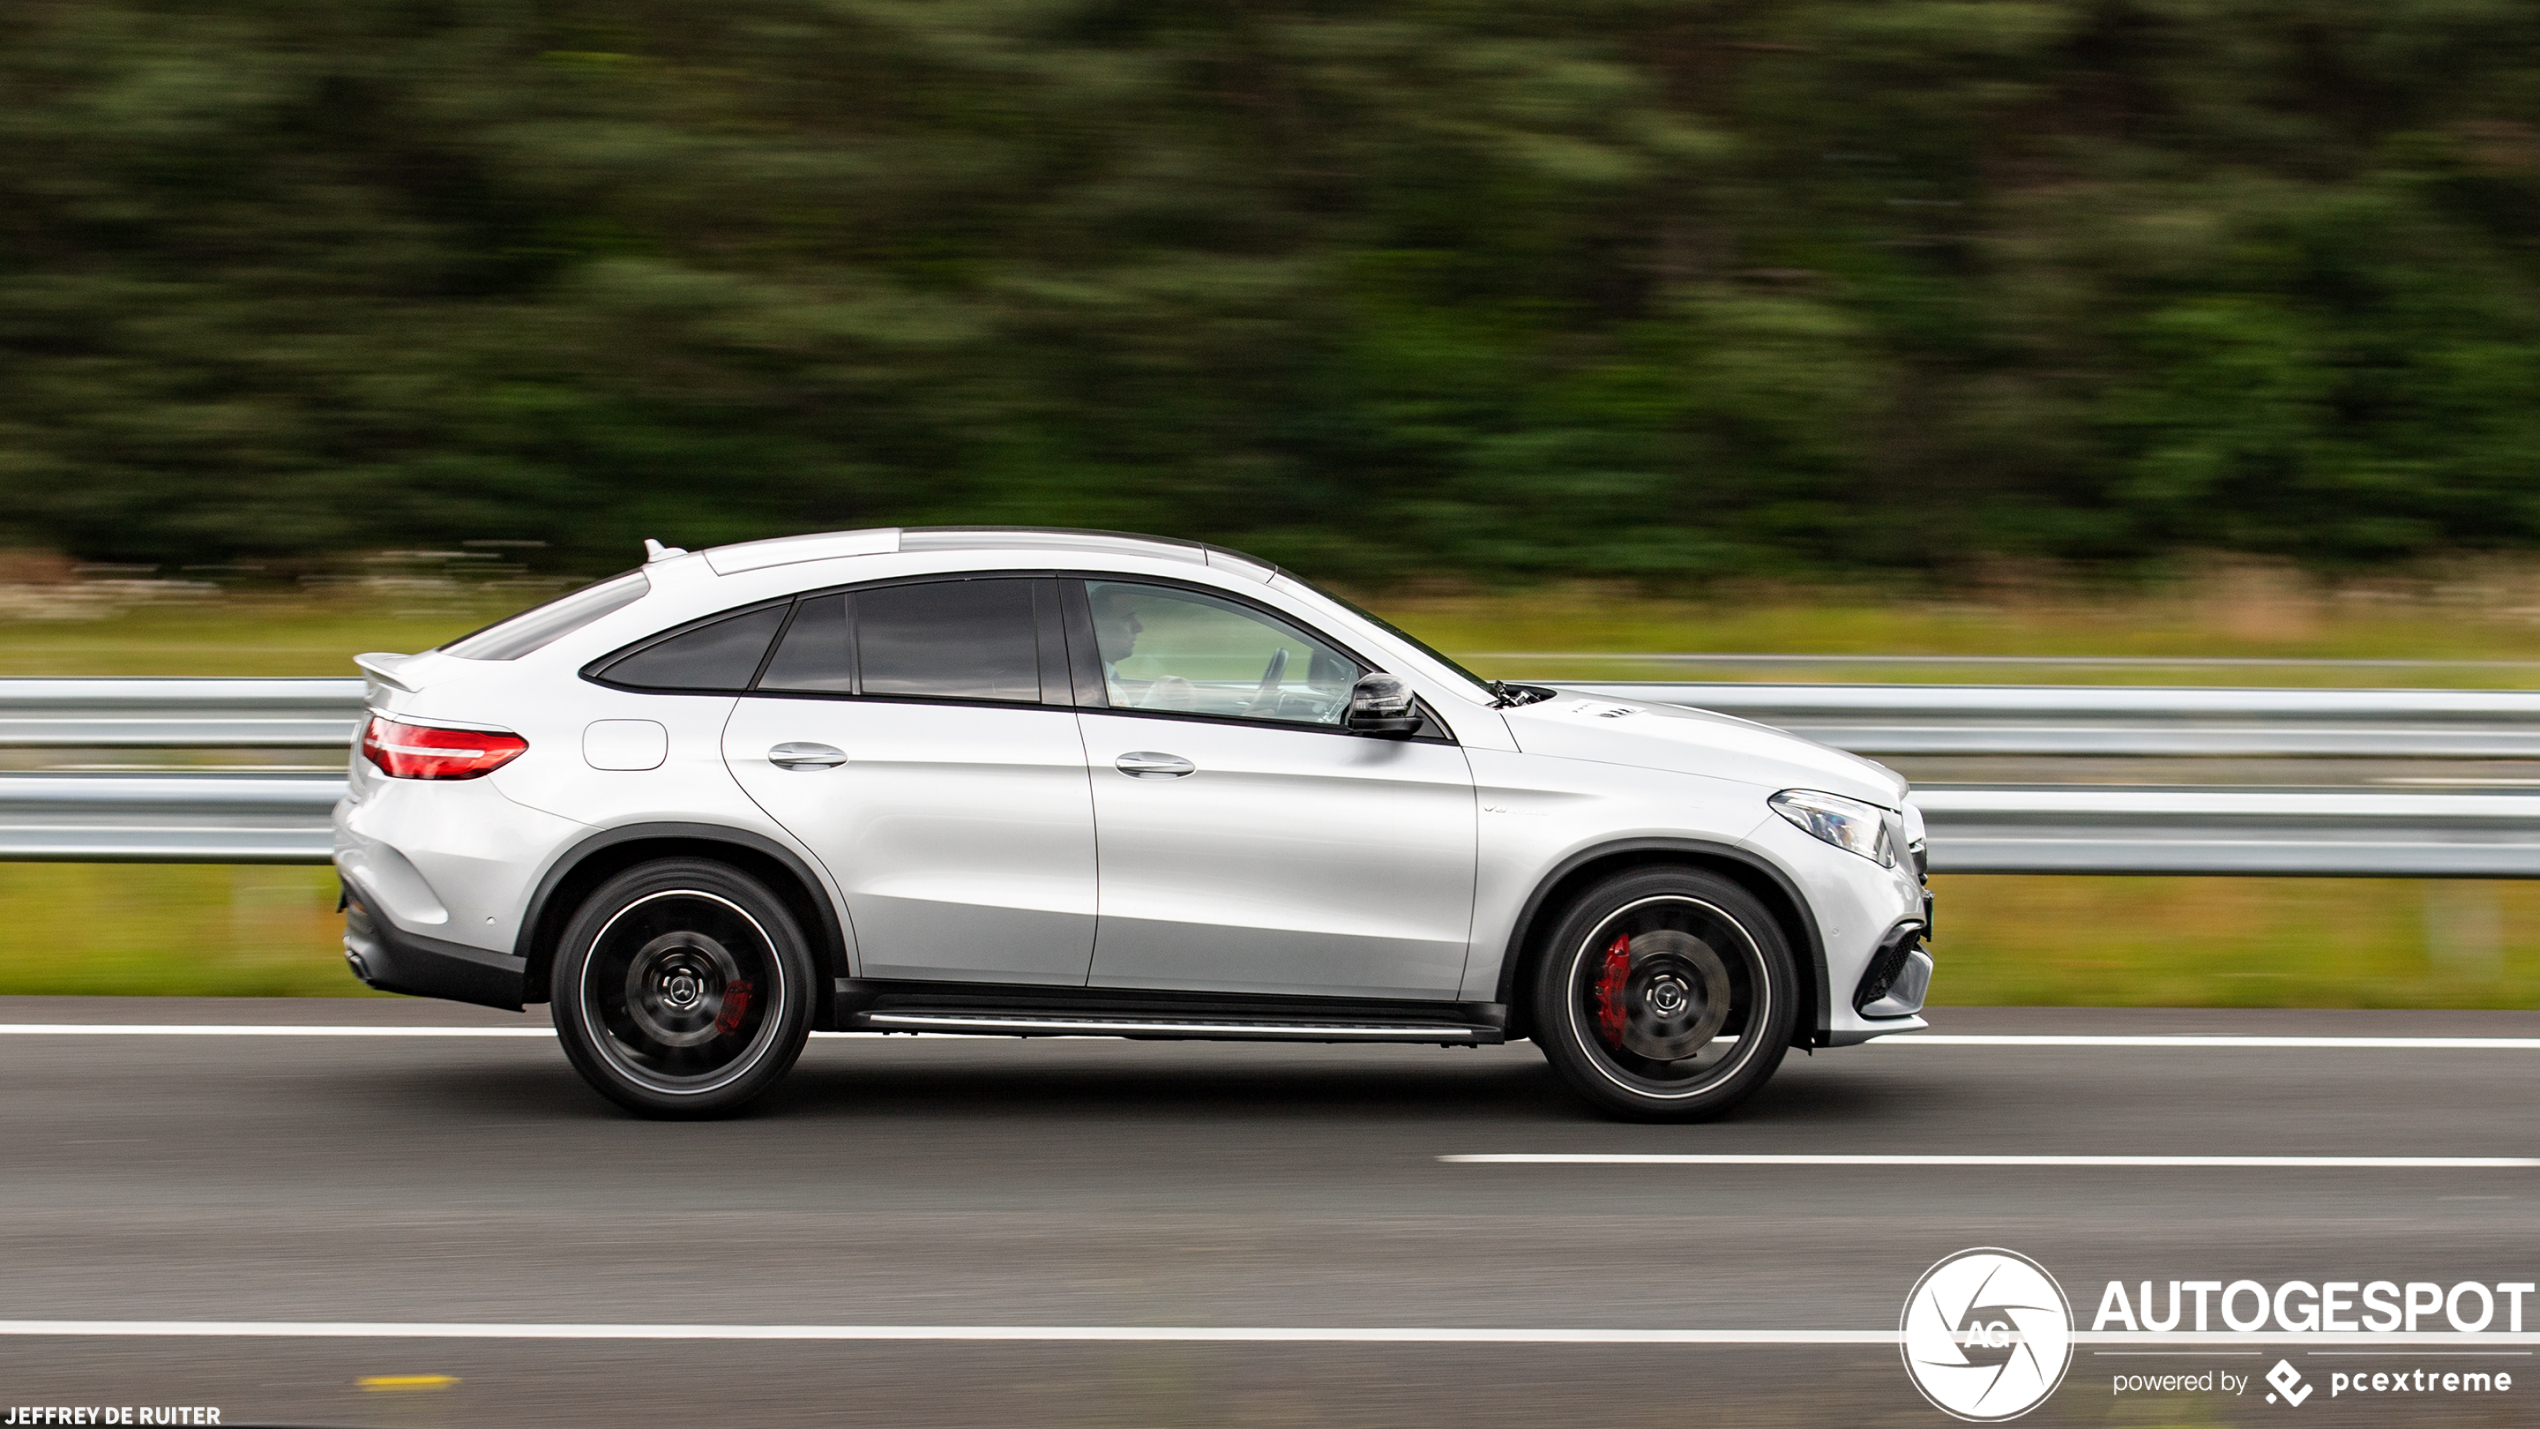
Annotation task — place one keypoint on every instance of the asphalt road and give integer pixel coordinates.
(957, 1182)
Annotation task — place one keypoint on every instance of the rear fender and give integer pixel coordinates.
(587, 864)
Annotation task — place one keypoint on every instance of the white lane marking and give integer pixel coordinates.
(185, 1029)
(181, 1029)
(1642, 1158)
(2444, 1044)
(1236, 1334)
(1219, 1334)
(2419, 1338)
(1936, 1039)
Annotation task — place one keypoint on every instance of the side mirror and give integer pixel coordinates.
(1381, 704)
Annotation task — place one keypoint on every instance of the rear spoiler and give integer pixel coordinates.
(383, 667)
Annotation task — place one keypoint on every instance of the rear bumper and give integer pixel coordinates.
(393, 960)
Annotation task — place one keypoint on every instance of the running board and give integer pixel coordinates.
(1047, 1024)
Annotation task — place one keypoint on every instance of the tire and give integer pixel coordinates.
(682, 988)
(1666, 995)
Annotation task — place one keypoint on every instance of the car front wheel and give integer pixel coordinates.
(1666, 995)
(682, 988)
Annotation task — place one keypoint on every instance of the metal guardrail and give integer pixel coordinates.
(167, 818)
(2348, 833)
(1713, 660)
(180, 714)
(173, 816)
(236, 817)
(2078, 720)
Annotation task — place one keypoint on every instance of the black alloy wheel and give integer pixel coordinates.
(1666, 995)
(682, 988)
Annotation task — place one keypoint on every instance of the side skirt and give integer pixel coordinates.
(994, 1010)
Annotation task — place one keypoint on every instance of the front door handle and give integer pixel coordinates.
(1147, 764)
(806, 756)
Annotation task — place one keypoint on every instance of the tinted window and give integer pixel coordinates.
(969, 640)
(1164, 648)
(814, 655)
(719, 656)
(536, 628)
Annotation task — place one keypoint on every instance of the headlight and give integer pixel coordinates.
(1848, 824)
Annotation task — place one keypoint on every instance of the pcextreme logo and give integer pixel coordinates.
(1987, 1335)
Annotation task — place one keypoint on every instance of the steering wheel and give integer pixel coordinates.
(1266, 698)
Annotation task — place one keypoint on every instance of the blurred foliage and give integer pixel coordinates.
(1641, 290)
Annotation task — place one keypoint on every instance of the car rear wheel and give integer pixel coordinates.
(682, 988)
(1666, 995)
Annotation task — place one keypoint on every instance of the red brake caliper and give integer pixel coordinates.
(736, 1005)
(1610, 980)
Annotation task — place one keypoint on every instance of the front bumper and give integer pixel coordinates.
(1899, 974)
(393, 960)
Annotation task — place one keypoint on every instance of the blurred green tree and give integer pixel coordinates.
(1617, 287)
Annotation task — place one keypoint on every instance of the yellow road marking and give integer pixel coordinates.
(407, 1381)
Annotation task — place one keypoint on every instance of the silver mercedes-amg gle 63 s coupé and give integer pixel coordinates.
(1076, 783)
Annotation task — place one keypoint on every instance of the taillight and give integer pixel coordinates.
(417, 751)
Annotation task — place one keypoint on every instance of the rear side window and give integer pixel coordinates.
(960, 640)
(536, 628)
(720, 655)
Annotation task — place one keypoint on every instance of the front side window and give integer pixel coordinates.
(1181, 652)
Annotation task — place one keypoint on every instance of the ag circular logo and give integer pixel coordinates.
(1987, 1335)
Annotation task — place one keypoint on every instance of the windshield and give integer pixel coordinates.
(534, 629)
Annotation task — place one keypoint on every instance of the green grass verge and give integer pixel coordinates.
(2113, 942)
(2215, 942)
(251, 634)
(238, 636)
(127, 930)
(2236, 942)
(1550, 634)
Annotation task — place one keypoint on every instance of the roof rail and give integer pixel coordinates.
(1060, 538)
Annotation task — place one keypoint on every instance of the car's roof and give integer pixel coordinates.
(886, 540)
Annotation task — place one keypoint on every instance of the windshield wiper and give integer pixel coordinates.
(1510, 696)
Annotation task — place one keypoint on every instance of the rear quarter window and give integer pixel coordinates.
(720, 655)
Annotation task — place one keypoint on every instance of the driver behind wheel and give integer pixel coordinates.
(1116, 631)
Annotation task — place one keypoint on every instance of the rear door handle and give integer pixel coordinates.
(1147, 764)
(806, 756)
